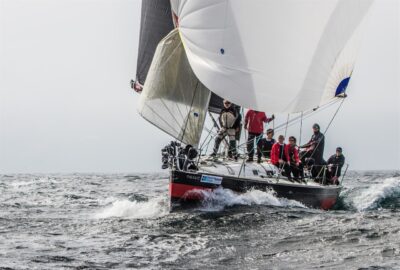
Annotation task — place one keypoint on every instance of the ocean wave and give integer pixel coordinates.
(153, 208)
(382, 195)
(32, 182)
(220, 198)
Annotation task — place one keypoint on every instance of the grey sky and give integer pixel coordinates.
(66, 105)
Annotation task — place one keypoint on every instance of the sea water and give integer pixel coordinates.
(120, 221)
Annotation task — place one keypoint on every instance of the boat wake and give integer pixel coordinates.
(220, 198)
(124, 208)
(385, 194)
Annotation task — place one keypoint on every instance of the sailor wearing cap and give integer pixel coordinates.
(335, 164)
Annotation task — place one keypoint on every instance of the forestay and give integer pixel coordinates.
(173, 99)
(272, 55)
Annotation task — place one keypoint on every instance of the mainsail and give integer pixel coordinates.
(156, 23)
(272, 55)
(173, 99)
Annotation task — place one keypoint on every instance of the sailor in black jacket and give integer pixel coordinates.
(335, 164)
(314, 148)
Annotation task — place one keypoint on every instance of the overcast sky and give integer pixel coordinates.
(66, 104)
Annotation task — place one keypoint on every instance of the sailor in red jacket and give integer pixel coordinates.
(292, 153)
(280, 157)
(254, 123)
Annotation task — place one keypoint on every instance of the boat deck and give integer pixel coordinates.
(260, 172)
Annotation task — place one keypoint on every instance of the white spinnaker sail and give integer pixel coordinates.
(173, 99)
(272, 55)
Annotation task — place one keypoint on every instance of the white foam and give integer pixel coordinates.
(34, 181)
(369, 198)
(220, 198)
(107, 201)
(152, 208)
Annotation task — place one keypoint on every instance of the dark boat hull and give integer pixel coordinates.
(184, 189)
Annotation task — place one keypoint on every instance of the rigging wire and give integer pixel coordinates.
(204, 141)
(334, 116)
(241, 148)
(301, 127)
(273, 124)
(295, 120)
(287, 124)
(306, 115)
(328, 126)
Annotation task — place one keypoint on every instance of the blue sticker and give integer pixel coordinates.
(211, 179)
(222, 51)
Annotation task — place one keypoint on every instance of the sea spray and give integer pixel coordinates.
(376, 194)
(220, 198)
(124, 208)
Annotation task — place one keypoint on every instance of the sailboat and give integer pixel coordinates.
(293, 57)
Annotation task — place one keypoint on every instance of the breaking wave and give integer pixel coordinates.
(380, 195)
(220, 198)
(125, 208)
(385, 194)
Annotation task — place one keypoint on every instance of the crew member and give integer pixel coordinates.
(296, 167)
(335, 164)
(314, 149)
(254, 123)
(238, 123)
(229, 121)
(280, 157)
(266, 144)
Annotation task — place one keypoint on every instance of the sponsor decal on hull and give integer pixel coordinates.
(211, 179)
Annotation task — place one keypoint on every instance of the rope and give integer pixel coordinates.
(217, 127)
(202, 144)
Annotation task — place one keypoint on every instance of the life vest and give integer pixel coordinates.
(228, 119)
